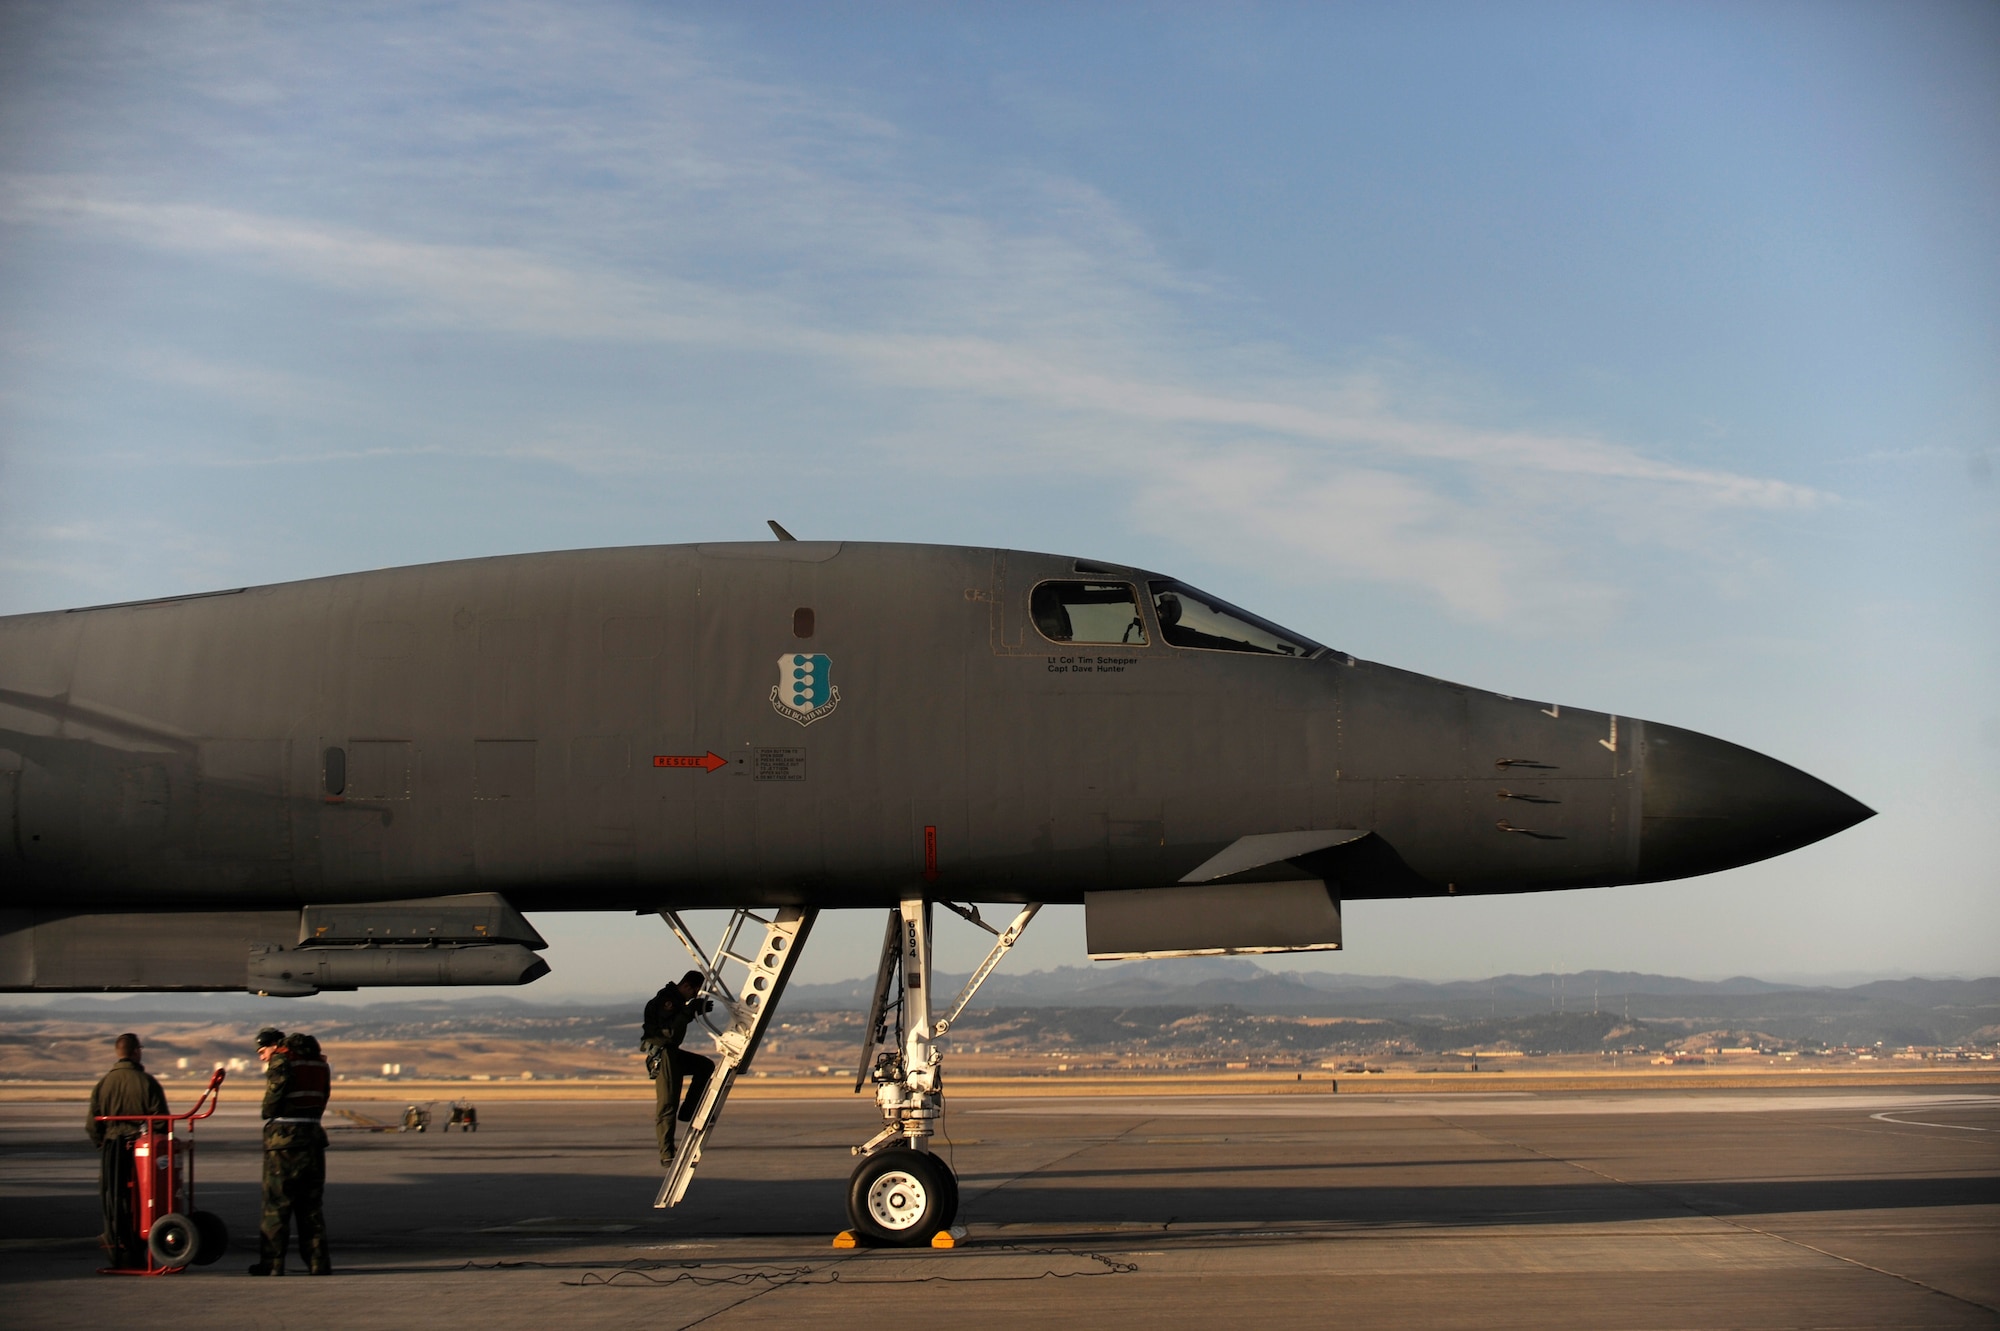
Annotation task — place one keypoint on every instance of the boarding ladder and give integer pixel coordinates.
(745, 1008)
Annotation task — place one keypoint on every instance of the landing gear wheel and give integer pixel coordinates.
(948, 1204)
(899, 1198)
(948, 1184)
(173, 1241)
(212, 1236)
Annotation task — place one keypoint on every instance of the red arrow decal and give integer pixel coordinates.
(707, 762)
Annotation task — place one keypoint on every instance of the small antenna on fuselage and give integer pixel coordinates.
(780, 532)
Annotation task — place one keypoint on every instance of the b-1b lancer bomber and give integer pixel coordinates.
(371, 779)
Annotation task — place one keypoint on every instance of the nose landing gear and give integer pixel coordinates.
(901, 1193)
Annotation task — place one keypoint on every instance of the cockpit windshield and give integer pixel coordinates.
(1190, 618)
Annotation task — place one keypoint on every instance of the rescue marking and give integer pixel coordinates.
(804, 691)
(930, 853)
(708, 762)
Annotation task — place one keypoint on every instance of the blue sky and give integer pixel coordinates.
(1639, 357)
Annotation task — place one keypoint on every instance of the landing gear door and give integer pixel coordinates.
(1222, 919)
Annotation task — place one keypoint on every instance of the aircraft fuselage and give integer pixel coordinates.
(618, 729)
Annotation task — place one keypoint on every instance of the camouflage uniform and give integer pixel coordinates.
(127, 1089)
(666, 1022)
(294, 1158)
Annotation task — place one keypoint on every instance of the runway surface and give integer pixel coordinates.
(1628, 1210)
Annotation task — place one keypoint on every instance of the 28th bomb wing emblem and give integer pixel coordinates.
(805, 690)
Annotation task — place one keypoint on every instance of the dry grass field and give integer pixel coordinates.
(443, 1052)
(1554, 1078)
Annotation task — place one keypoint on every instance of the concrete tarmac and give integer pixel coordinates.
(1627, 1210)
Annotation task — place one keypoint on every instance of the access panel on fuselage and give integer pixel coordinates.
(1480, 792)
(1546, 795)
(492, 717)
(391, 694)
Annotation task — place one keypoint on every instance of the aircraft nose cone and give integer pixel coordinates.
(1707, 804)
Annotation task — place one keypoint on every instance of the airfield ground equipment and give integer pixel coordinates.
(363, 1121)
(464, 1117)
(900, 1194)
(160, 1184)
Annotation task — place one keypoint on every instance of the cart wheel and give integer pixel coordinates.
(899, 1197)
(173, 1241)
(212, 1236)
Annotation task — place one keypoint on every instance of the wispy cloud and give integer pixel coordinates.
(687, 206)
(102, 555)
(495, 289)
(251, 385)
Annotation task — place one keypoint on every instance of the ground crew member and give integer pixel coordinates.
(666, 1022)
(127, 1089)
(296, 1085)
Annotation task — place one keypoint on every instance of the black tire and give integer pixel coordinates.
(948, 1216)
(173, 1241)
(948, 1205)
(899, 1198)
(213, 1238)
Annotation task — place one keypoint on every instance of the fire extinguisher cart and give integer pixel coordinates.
(160, 1191)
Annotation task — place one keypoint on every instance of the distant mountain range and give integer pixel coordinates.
(1241, 982)
(1908, 1011)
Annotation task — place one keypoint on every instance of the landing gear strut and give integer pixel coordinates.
(901, 1193)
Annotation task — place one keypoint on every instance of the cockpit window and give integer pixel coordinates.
(1088, 612)
(1189, 618)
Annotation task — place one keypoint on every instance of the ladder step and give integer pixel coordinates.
(741, 1042)
(688, 1154)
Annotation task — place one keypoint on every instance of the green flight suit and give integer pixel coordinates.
(294, 1173)
(127, 1089)
(666, 1022)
